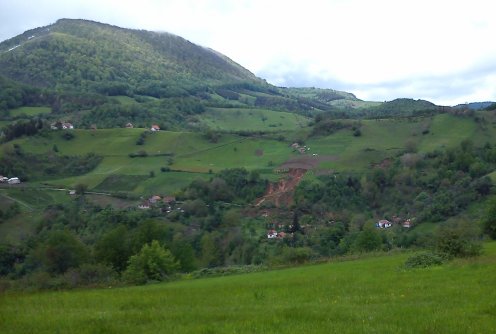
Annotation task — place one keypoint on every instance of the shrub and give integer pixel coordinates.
(460, 240)
(152, 263)
(424, 260)
(90, 275)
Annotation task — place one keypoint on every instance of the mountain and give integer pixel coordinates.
(474, 105)
(95, 57)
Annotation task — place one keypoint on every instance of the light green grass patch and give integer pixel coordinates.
(125, 100)
(167, 183)
(447, 131)
(30, 111)
(239, 119)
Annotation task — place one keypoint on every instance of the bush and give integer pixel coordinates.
(152, 263)
(424, 260)
(459, 240)
(90, 275)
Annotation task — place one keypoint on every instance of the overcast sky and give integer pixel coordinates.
(442, 51)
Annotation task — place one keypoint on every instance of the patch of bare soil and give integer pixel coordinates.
(259, 152)
(281, 193)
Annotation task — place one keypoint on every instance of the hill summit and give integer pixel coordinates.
(91, 56)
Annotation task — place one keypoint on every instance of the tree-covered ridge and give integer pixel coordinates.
(90, 56)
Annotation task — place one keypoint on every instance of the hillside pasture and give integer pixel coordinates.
(370, 295)
(29, 111)
(240, 119)
(188, 155)
(384, 138)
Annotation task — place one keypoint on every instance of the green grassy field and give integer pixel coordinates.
(30, 111)
(251, 120)
(385, 138)
(370, 295)
(191, 152)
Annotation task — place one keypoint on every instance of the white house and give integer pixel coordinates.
(272, 234)
(13, 180)
(67, 126)
(383, 224)
(155, 127)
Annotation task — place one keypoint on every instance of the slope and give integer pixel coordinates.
(370, 295)
(91, 56)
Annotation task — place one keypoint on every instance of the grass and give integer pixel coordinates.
(30, 111)
(192, 153)
(370, 295)
(119, 182)
(447, 131)
(232, 119)
(385, 138)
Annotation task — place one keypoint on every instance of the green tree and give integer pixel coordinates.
(368, 240)
(60, 251)
(80, 188)
(152, 263)
(458, 240)
(489, 221)
(114, 248)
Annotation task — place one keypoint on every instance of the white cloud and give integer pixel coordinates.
(382, 49)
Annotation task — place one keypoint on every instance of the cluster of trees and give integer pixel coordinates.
(430, 187)
(29, 166)
(83, 244)
(22, 128)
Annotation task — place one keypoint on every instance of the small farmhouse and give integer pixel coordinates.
(67, 126)
(129, 125)
(13, 180)
(154, 199)
(383, 224)
(407, 223)
(155, 127)
(271, 234)
(144, 205)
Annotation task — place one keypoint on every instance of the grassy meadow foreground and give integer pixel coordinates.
(369, 295)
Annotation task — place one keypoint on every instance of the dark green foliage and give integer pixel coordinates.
(367, 240)
(424, 260)
(336, 192)
(403, 107)
(152, 263)
(114, 248)
(459, 240)
(32, 167)
(80, 188)
(10, 255)
(90, 275)
(212, 136)
(19, 129)
(60, 251)
(67, 135)
(489, 221)
(327, 126)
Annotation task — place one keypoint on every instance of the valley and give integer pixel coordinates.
(136, 167)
